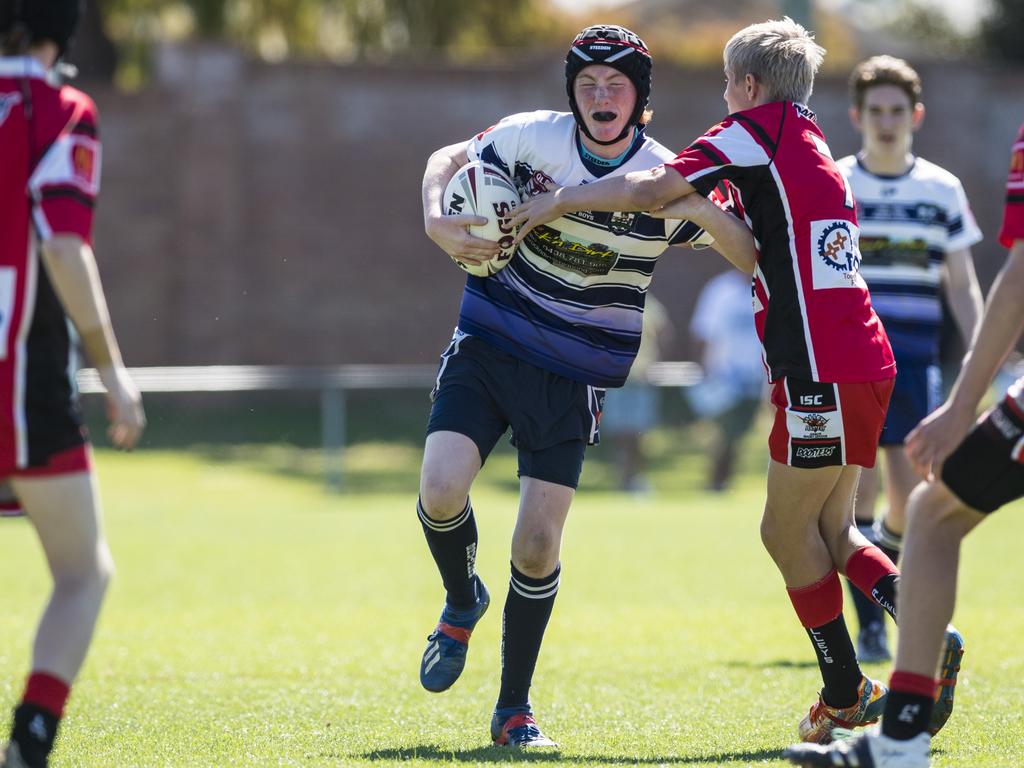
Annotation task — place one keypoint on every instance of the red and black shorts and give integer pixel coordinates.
(818, 424)
(986, 470)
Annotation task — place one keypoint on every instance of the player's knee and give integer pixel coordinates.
(536, 554)
(934, 512)
(442, 496)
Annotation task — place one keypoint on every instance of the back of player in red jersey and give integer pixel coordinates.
(820, 326)
(827, 355)
(50, 158)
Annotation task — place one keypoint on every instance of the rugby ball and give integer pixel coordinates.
(484, 190)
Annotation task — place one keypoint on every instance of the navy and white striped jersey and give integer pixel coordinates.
(571, 300)
(908, 224)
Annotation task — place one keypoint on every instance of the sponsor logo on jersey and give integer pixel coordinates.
(805, 112)
(582, 258)
(537, 183)
(83, 159)
(621, 223)
(8, 101)
(815, 423)
(835, 254)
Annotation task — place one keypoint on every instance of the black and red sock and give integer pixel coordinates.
(873, 573)
(820, 609)
(908, 708)
(38, 716)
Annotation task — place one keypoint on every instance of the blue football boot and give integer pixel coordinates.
(445, 656)
(515, 727)
(952, 652)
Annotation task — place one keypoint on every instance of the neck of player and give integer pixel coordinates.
(886, 163)
(609, 151)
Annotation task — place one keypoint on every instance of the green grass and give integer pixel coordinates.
(258, 621)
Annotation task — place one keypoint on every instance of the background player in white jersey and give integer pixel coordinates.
(916, 230)
(971, 469)
(536, 345)
(50, 153)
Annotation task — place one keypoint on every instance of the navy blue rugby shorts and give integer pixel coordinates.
(918, 392)
(482, 391)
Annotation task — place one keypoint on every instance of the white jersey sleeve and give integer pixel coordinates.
(961, 227)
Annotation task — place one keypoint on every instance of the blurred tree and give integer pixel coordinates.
(92, 51)
(1002, 30)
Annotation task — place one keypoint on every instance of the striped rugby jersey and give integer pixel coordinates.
(908, 223)
(571, 300)
(50, 154)
(1013, 213)
(812, 309)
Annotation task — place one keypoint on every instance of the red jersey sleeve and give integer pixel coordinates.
(724, 152)
(1013, 213)
(66, 180)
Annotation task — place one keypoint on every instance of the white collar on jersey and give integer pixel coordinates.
(22, 66)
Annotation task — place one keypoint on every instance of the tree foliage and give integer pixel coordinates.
(1002, 30)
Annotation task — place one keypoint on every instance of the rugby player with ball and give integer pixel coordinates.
(538, 342)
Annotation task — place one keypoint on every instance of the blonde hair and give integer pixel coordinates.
(884, 70)
(780, 54)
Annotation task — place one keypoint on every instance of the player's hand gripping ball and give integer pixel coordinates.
(484, 190)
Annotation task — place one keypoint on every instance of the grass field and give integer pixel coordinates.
(257, 620)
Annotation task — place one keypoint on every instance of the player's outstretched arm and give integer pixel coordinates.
(637, 191)
(938, 434)
(450, 232)
(71, 266)
(733, 239)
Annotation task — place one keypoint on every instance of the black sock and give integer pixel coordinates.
(453, 545)
(906, 714)
(527, 610)
(35, 730)
(889, 542)
(868, 611)
(884, 593)
(837, 661)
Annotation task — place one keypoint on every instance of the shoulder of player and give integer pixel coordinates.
(80, 109)
(540, 119)
(929, 172)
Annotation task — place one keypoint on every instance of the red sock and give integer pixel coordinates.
(47, 692)
(867, 566)
(908, 682)
(820, 602)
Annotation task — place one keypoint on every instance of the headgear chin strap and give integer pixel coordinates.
(614, 47)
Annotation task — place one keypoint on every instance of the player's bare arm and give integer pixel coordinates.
(733, 239)
(71, 265)
(1001, 325)
(637, 191)
(963, 292)
(450, 232)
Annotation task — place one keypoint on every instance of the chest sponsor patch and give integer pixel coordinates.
(835, 254)
(565, 252)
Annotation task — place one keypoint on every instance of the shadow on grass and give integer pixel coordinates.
(773, 664)
(500, 755)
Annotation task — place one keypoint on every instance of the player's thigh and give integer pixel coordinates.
(934, 510)
(867, 494)
(900, 480)
(65, 511)
(795, 500)
(451, 462)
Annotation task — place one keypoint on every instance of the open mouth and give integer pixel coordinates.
(605, 117)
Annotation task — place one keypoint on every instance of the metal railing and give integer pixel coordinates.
(331, 381)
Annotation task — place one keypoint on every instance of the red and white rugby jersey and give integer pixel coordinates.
(50, 160)
(1013, 213)
(811, 306)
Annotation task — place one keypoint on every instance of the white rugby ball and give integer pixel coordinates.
(484, 190)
